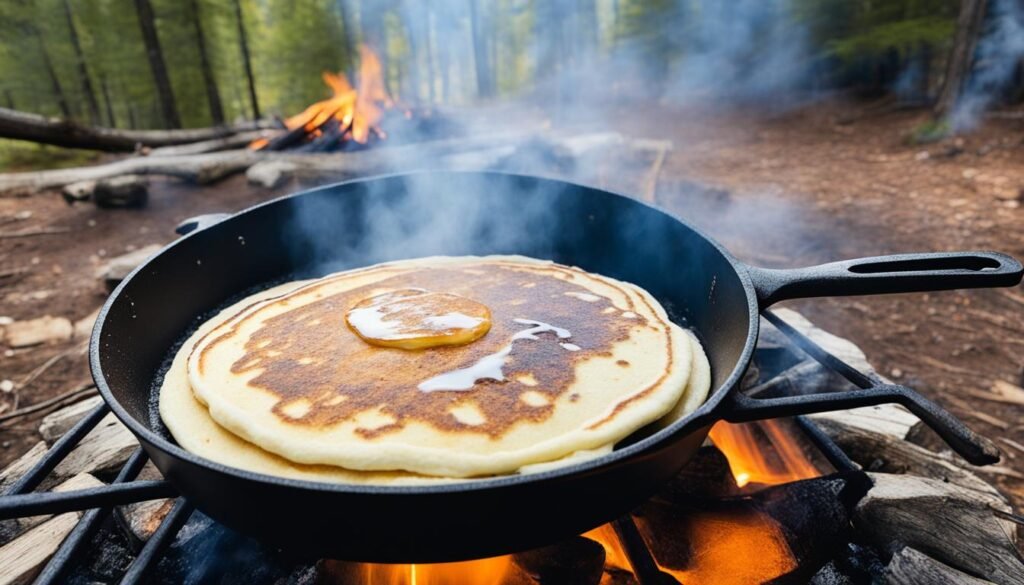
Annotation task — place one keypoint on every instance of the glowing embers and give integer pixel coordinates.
(417, 319)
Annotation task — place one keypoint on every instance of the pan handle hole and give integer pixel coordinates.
(973, 263)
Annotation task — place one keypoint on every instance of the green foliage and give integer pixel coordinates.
(929, 132)
(904, 36)
(16, 155)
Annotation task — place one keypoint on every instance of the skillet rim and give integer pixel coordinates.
(703, 415)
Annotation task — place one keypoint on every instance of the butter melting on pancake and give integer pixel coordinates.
(289, 375)
(414, 318)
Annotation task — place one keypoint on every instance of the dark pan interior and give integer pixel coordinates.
(360, 223)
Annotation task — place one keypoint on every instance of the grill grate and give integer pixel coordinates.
(19, 501)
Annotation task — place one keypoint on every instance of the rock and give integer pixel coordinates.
(922, 156)
(80, 191)
(83, 327)
(35, 331)
(125, 191)
(7, 386)
(1008, 194)
(270, 174)
(117, 268)
(969, 173)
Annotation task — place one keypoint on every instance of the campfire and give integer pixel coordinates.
(350, 118)
(758, 454)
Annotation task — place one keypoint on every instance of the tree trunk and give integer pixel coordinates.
(165, 95)
(348, 30)
(373, 34)
(106, 103)
(481, 53)
(244, 47)
(60, 132)
(961, 58)
(83, 73)
(212, 96)
(51, 73)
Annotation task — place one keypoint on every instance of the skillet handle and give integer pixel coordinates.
(887, 274)
(971, 446)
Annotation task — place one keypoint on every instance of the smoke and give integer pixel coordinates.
(743, 49)
(998, 54)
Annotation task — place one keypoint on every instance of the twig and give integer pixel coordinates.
(31, 377)
(651, 181)
(1016, 518)
(85, 390)
(1012, 443)
(14, 272)
(31, 233)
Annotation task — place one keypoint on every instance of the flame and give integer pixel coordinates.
(725, 546)
(748, 458)
(358, 110)
(490, 571)
(729, 548)
(614, 553)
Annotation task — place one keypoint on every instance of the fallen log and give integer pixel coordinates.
(463, 153)
(68, 133)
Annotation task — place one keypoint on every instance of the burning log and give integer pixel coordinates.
(912, 567)
(577, 561)
(141, 519)
(956, 526)
(60, 132)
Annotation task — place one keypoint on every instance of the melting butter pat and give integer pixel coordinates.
(414, 318)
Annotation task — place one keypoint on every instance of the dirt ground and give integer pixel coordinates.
(835, 180)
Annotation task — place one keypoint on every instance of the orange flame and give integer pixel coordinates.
(748, 457)
(358, 110)
(490, 571)
(726, 547)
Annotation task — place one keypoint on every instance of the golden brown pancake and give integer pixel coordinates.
(583, 361)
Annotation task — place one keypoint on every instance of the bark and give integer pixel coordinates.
(165, 95)
(913, 567)
(961, 58)
(83, 73)
(51, 73)
(212, 96)
(243, 45)
(479, 20)
(60, 132)
(953, 525)
(108, 106)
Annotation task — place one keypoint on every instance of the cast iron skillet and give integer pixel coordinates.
(361, 222)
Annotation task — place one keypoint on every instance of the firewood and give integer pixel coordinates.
(21, 465)
(104, 449)
(11, 529)
(576, 561)
(23, 558)
(131, 191)
(59, 132)
(912, 567)
(883, 452)
(887, 420)
(141, 519)
(947, 522)
(239, 140)
(843, 349)
(55, 424)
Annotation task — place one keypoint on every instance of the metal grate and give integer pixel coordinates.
(20, 501)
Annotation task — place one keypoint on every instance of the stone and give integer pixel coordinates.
(270, 174)
(36, 331)
(116, 269)
(80, 191)
(125, 191)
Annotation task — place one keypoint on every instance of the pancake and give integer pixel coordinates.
(192, 427)
(582, 362)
